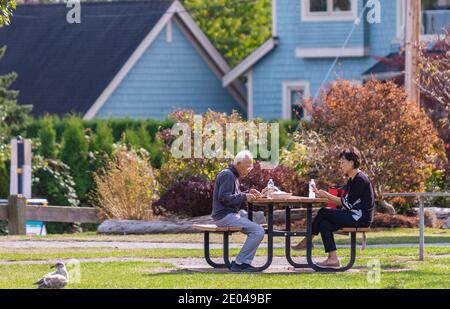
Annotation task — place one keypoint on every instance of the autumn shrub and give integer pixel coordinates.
(191, 197)
(126, 186)
(175, 169)
(398, 143)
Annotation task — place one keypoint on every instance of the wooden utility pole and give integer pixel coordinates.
(412, 45)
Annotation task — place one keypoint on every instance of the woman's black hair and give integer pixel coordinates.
(351, 154)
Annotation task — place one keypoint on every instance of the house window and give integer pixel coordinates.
(435, 17)
(294, 92)
(318, 10)
(297, 96)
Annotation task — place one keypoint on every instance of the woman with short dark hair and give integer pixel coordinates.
(357, 207)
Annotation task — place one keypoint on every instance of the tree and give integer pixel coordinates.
(74, 153)
(236, 28)
(398, 142)
(47, 137)
(6, 10)
(434, 80)
(13, 115)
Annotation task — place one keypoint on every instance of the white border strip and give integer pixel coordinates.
(332, 52)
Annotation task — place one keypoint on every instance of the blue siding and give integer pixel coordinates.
(282, 65)
(167, 76)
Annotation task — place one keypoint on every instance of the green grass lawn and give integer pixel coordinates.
(395, 273)
(400, 267)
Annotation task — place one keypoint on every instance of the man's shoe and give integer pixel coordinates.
(236, 268)
(247, 268)
(300, 247)
(328, 264)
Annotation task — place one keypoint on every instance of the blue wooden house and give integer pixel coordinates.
(309, 35)
(139, 59)
(142, 59)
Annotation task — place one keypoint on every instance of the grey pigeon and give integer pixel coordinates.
(54, 280)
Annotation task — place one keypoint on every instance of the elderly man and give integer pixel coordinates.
(227, 201)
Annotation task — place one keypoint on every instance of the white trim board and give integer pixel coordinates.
(286, 87)
(165, 22)
(169, 32)
(274, 19)
(307, 16)
(250, 111)
(332, 52)
(248, 62)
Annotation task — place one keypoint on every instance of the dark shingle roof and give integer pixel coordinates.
(64, 67)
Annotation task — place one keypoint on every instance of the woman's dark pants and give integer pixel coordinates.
(329, 220)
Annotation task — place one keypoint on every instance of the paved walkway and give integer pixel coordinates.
(279, 264)
(160, 245)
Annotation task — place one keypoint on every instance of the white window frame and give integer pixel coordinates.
(401, 25)
(401, 20)
(287, 87)
(330, 15)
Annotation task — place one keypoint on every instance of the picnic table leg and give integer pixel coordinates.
(309, 239)
(226, 250)
(250, 211)
(288, 242)
(269, 235)
(207, 255)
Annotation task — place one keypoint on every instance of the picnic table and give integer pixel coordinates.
(287, 203)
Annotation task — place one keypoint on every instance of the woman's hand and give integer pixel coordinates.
(321, 193)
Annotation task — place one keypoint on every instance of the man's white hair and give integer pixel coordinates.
(241, 156)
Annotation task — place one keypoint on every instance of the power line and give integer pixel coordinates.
(356, 23)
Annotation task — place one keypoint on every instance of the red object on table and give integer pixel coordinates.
(338, 191)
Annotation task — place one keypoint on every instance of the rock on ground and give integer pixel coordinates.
(446, 224)
(162, 226)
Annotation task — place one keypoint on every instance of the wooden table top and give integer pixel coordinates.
(292, 200)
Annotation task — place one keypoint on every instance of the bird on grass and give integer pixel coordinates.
(54, 280)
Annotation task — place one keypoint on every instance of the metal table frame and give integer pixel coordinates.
(287, 234)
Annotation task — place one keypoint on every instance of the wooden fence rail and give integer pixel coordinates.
(17, 213)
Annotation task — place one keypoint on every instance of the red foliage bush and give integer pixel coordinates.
(192, 197)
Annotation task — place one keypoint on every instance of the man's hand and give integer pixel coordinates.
(256, 193)
(250, 197)
(264, 191)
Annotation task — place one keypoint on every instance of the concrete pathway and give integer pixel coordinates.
(160, 245)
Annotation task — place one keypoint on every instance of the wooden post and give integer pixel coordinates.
(17, 215)
(422, 229)
(412, 45)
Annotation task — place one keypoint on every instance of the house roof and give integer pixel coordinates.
(202, 44)
(64, 67)
(388, 67)
(249, 61)
(393, 65)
